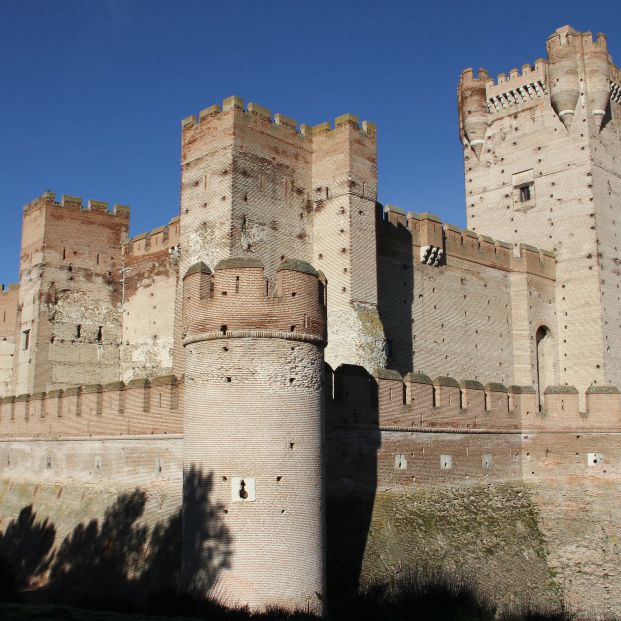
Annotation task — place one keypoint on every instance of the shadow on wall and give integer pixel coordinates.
(116, 563)
(395, 289)
(353, 442)
(412, 589)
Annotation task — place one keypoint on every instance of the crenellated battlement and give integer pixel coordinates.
(452, 242)
(141, 407)
(468, 79)
(517, 88)
(237, 300)
(163, 238)
(565, 36)
(216, 112)
(416, 401)
(75, 203)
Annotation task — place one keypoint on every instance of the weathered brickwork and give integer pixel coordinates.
(288, 342)
(149, 281)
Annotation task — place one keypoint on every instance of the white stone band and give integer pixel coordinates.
(255, 334)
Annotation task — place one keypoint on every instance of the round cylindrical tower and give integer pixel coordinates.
(598, 77)
(563, 73)
(473, 112)
(254, 435)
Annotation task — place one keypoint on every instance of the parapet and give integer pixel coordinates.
(451, 241)
(517, 88)
(141, 407)
(236, 301)
(418, 402)
(163, 238)
(235, 105)
(75, 203)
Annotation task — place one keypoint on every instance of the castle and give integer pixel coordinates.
(298, 341)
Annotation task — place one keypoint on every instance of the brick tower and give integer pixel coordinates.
(542, 155)
(254, 423)
(68, 319)
(256, 185)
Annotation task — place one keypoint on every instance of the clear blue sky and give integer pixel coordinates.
(92, 92)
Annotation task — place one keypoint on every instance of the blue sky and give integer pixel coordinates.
(92, 92)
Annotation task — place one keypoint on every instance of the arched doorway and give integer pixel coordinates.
(545, 361)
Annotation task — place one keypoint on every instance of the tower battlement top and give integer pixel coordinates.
(230, 104)
(236, 300)
(75, 203)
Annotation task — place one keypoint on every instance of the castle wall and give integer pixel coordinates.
(150, 280)
(118, 498)
(447, 466)
(525, 518)
(475, 314)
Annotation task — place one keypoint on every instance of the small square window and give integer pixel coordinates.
(446, 462)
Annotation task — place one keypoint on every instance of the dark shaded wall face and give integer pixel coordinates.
(351, 474)
(395, 267)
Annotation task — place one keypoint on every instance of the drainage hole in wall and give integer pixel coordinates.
(224, 479)
(278, 478)
(228, 379)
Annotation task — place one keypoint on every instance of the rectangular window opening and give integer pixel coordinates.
(26, 339)
(524, 193)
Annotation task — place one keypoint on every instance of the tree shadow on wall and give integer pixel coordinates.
(118, 562)
(24, 549)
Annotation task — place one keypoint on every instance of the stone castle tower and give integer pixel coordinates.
(67, 311)
(253, 185)
(542, 157)
(254, 420)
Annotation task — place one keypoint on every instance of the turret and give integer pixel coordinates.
(563, 73)
(598, 76)
(253, 424)
(472, 105)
